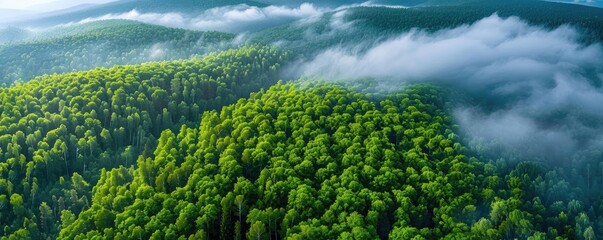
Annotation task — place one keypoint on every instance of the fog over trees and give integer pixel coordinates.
(391, 119)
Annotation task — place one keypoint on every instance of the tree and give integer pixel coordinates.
(256, 231)
(589, 234)
(46, 217)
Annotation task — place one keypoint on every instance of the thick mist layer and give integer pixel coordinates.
(537, 91)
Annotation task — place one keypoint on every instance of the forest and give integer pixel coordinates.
(58, 131)
(325, 162)
(376, 23)
(119, 129)
(103, 44)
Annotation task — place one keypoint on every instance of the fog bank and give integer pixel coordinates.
(537, 91)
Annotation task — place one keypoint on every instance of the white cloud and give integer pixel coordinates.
(156, 51)
(543, 83)
(338, 21)
(369, 4)
(170, 19)
(237, 18)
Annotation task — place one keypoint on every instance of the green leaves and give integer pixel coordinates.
(317, 162)
(72, 125)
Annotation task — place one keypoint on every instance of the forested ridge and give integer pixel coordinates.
(103, 44)
(215, 146)
(433, 18)
(58, 131)
(325, 162)
(373, 24)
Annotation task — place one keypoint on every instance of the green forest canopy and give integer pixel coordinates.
(324, 162)
(70, 126)
(166, 160)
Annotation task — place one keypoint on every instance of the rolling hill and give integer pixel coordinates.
(369, 24)
(103, 44)
(123, 130)
(13, 34)
(58, 131)
(325, 162)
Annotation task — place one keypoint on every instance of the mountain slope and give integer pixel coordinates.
(325, 162)
(70, 126)
(103, 44)
(369, 24)
(289, 163)
(13, 34)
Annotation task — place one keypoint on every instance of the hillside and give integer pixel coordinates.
(325, 162)
(13, 34)
(103, 44)
(587, 3)
(57, 132)
(369, 24)
(322, 163)
(450, 119)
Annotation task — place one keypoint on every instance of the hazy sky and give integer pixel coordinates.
(45, 5)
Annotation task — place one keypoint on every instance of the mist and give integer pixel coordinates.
(536, 91)
(237, 18)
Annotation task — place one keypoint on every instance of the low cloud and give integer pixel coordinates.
(237, 18)
(234, 18)
(369, 4)
(538, 90)
(156, 52)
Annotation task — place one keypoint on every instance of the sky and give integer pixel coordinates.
(45, 5)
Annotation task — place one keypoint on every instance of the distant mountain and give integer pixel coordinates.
(592, 3)
(69, 9)
(338, 3)
(363, 24)
(61, 5)
(13, 34)
(186, 6)
(10, 15)
(328, 3)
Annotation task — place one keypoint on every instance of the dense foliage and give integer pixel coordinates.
(177, 150)
(433, 18)
(103, 44)
(58, 131)
(325, 163)
(369, 24)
